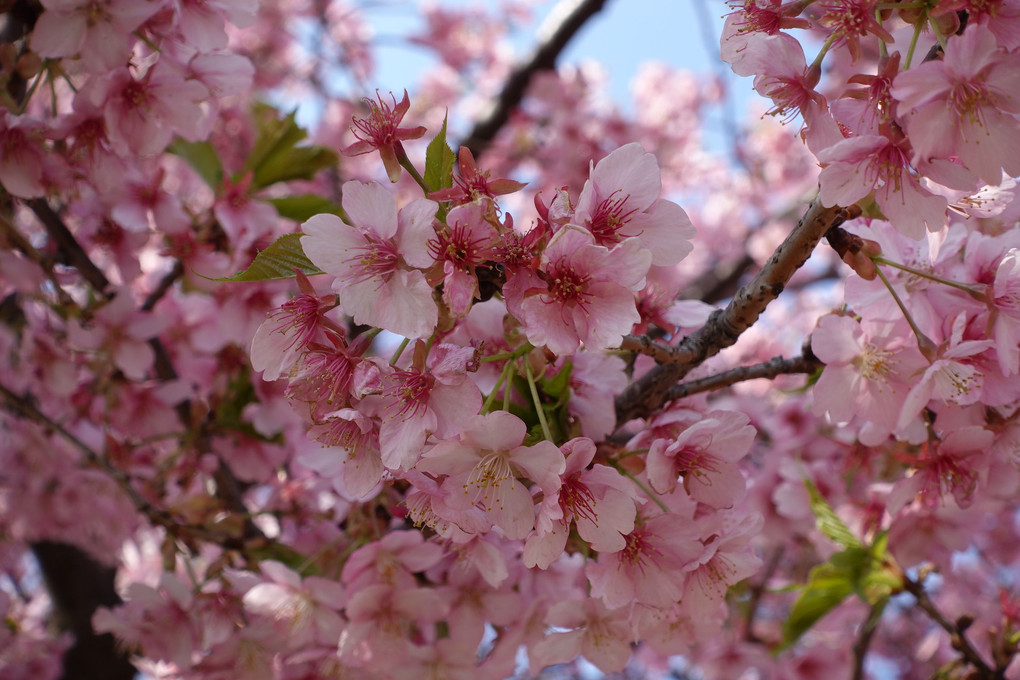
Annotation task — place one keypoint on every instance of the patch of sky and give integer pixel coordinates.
(626, 34)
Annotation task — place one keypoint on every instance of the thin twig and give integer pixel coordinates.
(757, 591)
(645, 395)
(73, 254)
(767, 369)
(957, 637)
(164, 286)
(864, 637)
(574, 13)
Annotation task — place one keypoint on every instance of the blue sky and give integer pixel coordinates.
(625, 34)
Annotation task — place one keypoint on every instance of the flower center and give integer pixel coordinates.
(875, 363)
(607, 219)
(377, 259)
(577, 498)
(487, 479)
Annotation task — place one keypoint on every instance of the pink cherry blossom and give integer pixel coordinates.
(393, 561)
(705, 454)
(380, 131)
(965, 105)
(620, 200)
(859, 165)
(288, 331)
(651, 567)
(588, 296)
(851, 20)
(461, 247)
(599, 500)
(726, 560)
(868, 367)
(422, 401)
(951, 377)
(143, 114)
(22, 155)
(305, 608)
(472, 184)
(376, 260)
(782, 74)
(596, 632)
(486, 460)
(100, 32)
(1006, 290)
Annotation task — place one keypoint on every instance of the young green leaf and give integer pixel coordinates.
(828, 585)
(439, 159)
(202, 158)
(827, 521)
(278, 261)
(300, 208)
(276, 156)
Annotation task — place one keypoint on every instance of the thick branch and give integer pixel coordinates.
(767, 369)
(724, 327)
(572, 15)
(79, 585)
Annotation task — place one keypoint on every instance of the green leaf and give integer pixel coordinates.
(439, 159)
(557, 385)
(202, 158)
(827, 521)
(884, 577)
(276, 156)
(278, 261)
(828, 585)
(300, 208)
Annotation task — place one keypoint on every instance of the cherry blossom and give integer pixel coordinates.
(588, 296)
(705, 454)
(965, 105)
(486, 460)
(375, 260)
(380, 132)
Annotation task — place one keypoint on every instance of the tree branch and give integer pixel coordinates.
(957, 635)
(73, 254)
(867, 632)
(572, 15)
(767, 369)
(647, 394)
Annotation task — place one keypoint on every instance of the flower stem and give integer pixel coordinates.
(400, 350)
(938, 33)
(648, 492)
(406, 164)
(966, 288)
(913, 44)
(31, 91)
(538, 402)
(924, 343)
(495, 388)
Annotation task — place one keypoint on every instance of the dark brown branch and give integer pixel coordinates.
(757, 591)
(78, 585)
(71, 251)
(767, 369)
(165, 284)
(647, 394)
(575, 14)
(719, 283)
(24, 407)
(957, 636)
(867, 632)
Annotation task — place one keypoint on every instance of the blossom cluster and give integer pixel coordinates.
(494, 419)
(917, 135)
(414, 465)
